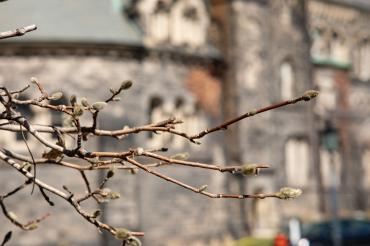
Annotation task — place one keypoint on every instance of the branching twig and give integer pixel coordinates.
(80, 159)
(197, 190)
(17, 32)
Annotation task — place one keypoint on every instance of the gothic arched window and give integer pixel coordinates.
(57, 118)
(286, 80)
(297, 161)
(189, 23)
(155, 19)
(338, 48)
(156, 113)
(362, 63)
(319, 47)
(26, 111)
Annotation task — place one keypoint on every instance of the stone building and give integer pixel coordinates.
(201, 61)
(340, 57)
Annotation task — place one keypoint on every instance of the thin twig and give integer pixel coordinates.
(17, 32)
(33, 159)
(59, 193)
(162, 126)
(197, 190)
(224, 125)
(81, 159)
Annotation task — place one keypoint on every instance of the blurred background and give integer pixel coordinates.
(202, 61)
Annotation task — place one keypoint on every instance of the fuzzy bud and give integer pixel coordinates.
(308, 95)
(34, 80)
(12, 215)
(114, 195)
(250, 169)
(84, 102)
(180, 156)
(202, 188)
(99, 105)
(73, 100)
(140, 151)
(95, 160)
(122, 233)
(32, 226)
(126, 85)
(56, 96)
(288, 193)
(132, 241)
(105, 192)
(77, 110)
(253, 112)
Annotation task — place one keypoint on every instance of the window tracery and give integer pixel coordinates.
(180, 23)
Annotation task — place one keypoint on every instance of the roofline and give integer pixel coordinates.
(138, 52)
(346, 4)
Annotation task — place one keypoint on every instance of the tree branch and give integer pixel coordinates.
(17, 32)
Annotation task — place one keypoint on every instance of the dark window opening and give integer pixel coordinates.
(56, 116)
(27, 113)
(191, 13)
(161, 7)
(179, 102)
(155, 103)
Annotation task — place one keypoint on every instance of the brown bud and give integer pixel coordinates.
(96, 214)
(110, 173)
(126, 85)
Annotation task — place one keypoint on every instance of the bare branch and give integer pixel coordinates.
(80, 159)
(308, 95)
(197, 190)
(17, 32)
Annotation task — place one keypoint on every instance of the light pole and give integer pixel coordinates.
(330, 141)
